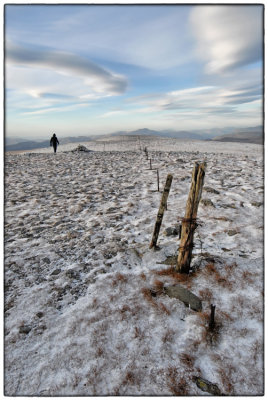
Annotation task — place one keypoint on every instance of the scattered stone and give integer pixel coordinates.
(170, 260)
(56, 271)
(184, 295)
(39, 314)
(256, 203)
(207, 386)
(72, 274)
(40, 329)
(46, 260)
(228, 205)
(81, 148)
(232, 232)
(211, 190)
(207, 203)
(25, 329)
(173, 231)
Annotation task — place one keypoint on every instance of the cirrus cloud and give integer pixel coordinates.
(94, 76)
(227, 36)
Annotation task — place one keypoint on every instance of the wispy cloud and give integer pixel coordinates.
(54, 109)
(205, 99)
(99, 79)
(119, 67)
(227, 36)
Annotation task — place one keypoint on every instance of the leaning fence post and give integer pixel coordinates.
(212, 317)
(161, 211)
(157, 172)
(189, 221)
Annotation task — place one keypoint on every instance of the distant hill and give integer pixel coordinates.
(31, 144)
(27, 145)
(250, 135)
(162, 133)
(247, 135)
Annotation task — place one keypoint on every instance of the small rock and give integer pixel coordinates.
(72, 274)
(232, 232)
(170, 260)
(211, 190)
(173, 231)
(81, 148)
(46, 260)
(207, 386)
(256, 203)
(228, 205)
(56, 271)
(40, 329)
(25, 329)
(207, 202)
(40, 314)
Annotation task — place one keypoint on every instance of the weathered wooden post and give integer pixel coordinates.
(189, 221)
(212, 317)
(150, 163)
(146, 152)
(157, 172)
(161, 211)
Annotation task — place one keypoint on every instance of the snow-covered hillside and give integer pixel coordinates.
(84, 309)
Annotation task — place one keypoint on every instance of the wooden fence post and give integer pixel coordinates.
(150, 163)
(212, 317)
(157, 172)
(189, 221)
(161, 211)
(146, 152)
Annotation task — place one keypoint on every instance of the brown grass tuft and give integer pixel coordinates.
(188, 361)
(119, 278)
(143, 276)
(173, 274)
(177, 384)
(205, 294)
(168, 336)
(163, 308)
(211, 271)
(150, 296)
(158, 286)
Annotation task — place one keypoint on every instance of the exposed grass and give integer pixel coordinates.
(176, 383)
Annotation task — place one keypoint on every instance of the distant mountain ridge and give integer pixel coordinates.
(247, 135)
(162, 133)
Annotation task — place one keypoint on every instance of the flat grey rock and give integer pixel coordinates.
(207, 386)
(184, 295)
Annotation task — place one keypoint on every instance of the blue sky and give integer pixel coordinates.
(93, 69)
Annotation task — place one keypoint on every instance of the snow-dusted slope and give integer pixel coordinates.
(79, 315)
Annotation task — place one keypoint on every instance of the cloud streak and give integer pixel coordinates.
(227, 37)
(96, 77)
(205, 99)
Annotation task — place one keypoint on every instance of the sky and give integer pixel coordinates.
(95, 69)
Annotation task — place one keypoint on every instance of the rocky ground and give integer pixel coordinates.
(80, 318)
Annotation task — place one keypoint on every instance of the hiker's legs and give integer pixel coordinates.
(55, 149)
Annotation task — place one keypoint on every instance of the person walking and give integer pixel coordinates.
(54, 142)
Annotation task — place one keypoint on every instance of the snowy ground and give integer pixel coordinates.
(79, 315)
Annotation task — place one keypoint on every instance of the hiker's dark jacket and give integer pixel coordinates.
(54, 141)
